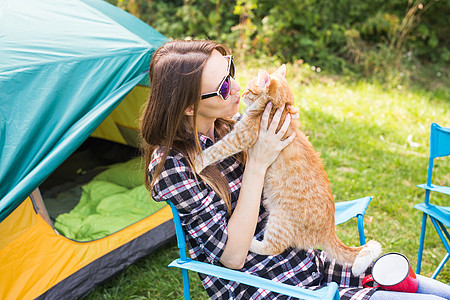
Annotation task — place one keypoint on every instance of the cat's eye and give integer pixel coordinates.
(225, 85)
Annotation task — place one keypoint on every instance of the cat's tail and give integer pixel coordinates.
(359, 257)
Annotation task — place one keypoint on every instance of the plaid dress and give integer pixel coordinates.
(204, 218)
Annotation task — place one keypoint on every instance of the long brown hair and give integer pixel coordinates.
(175, 77)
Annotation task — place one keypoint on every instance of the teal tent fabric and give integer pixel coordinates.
(64, 66)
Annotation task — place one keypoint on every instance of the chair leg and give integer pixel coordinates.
(440, 228)
(441, 265)
(186, 289)
(422, 239)
(445, 231)
(362, 238)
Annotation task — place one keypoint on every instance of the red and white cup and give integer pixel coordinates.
(392, 272)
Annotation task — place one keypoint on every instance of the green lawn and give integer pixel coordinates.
(374, 141)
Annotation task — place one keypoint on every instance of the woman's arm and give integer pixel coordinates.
(242, 224)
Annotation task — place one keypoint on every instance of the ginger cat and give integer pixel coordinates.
(297, 192)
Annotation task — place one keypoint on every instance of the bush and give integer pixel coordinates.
(374, 38)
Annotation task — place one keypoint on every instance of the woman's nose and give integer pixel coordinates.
(235, 86)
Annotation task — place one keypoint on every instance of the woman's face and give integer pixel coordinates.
(215, 70)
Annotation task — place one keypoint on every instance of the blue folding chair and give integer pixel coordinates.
(439, 215)
(344, 211)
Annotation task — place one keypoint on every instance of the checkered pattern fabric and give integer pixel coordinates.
(204, 218)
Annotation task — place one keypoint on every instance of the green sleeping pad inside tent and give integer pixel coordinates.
(113, 200)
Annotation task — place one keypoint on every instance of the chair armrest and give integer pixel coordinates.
(328, 292)
(436, 188)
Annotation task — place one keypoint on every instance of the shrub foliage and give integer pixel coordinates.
(372, 37)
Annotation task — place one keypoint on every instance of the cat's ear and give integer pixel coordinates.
(263, 79)
(282, 70)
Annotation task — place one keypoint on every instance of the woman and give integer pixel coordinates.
(193, 99)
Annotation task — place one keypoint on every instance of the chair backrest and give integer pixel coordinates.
(439, 141)
(181, 238)
(439, 146)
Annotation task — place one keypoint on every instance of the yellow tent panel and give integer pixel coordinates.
(17, 223)
(39, 258)
(122, 125)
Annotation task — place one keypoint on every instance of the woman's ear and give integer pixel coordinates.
(282, 70)
(189, 111)
(263, 79)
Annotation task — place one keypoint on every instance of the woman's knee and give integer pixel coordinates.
(387, 295)
(434, 287)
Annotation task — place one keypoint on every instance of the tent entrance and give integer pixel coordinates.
(97, 191)
(61, 191)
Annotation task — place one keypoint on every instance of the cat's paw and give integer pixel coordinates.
(256, 246)
(198, 164)
(264, 248)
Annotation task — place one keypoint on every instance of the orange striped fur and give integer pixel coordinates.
(297, 192)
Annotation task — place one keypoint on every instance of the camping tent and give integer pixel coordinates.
(65, 65)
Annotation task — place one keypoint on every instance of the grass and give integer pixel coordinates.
(150, 278)
(374, 141)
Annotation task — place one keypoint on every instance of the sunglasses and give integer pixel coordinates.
(225, 85)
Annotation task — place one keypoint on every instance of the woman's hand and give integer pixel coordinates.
(269, 143)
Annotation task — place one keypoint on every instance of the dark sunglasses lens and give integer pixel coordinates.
(225, 88)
